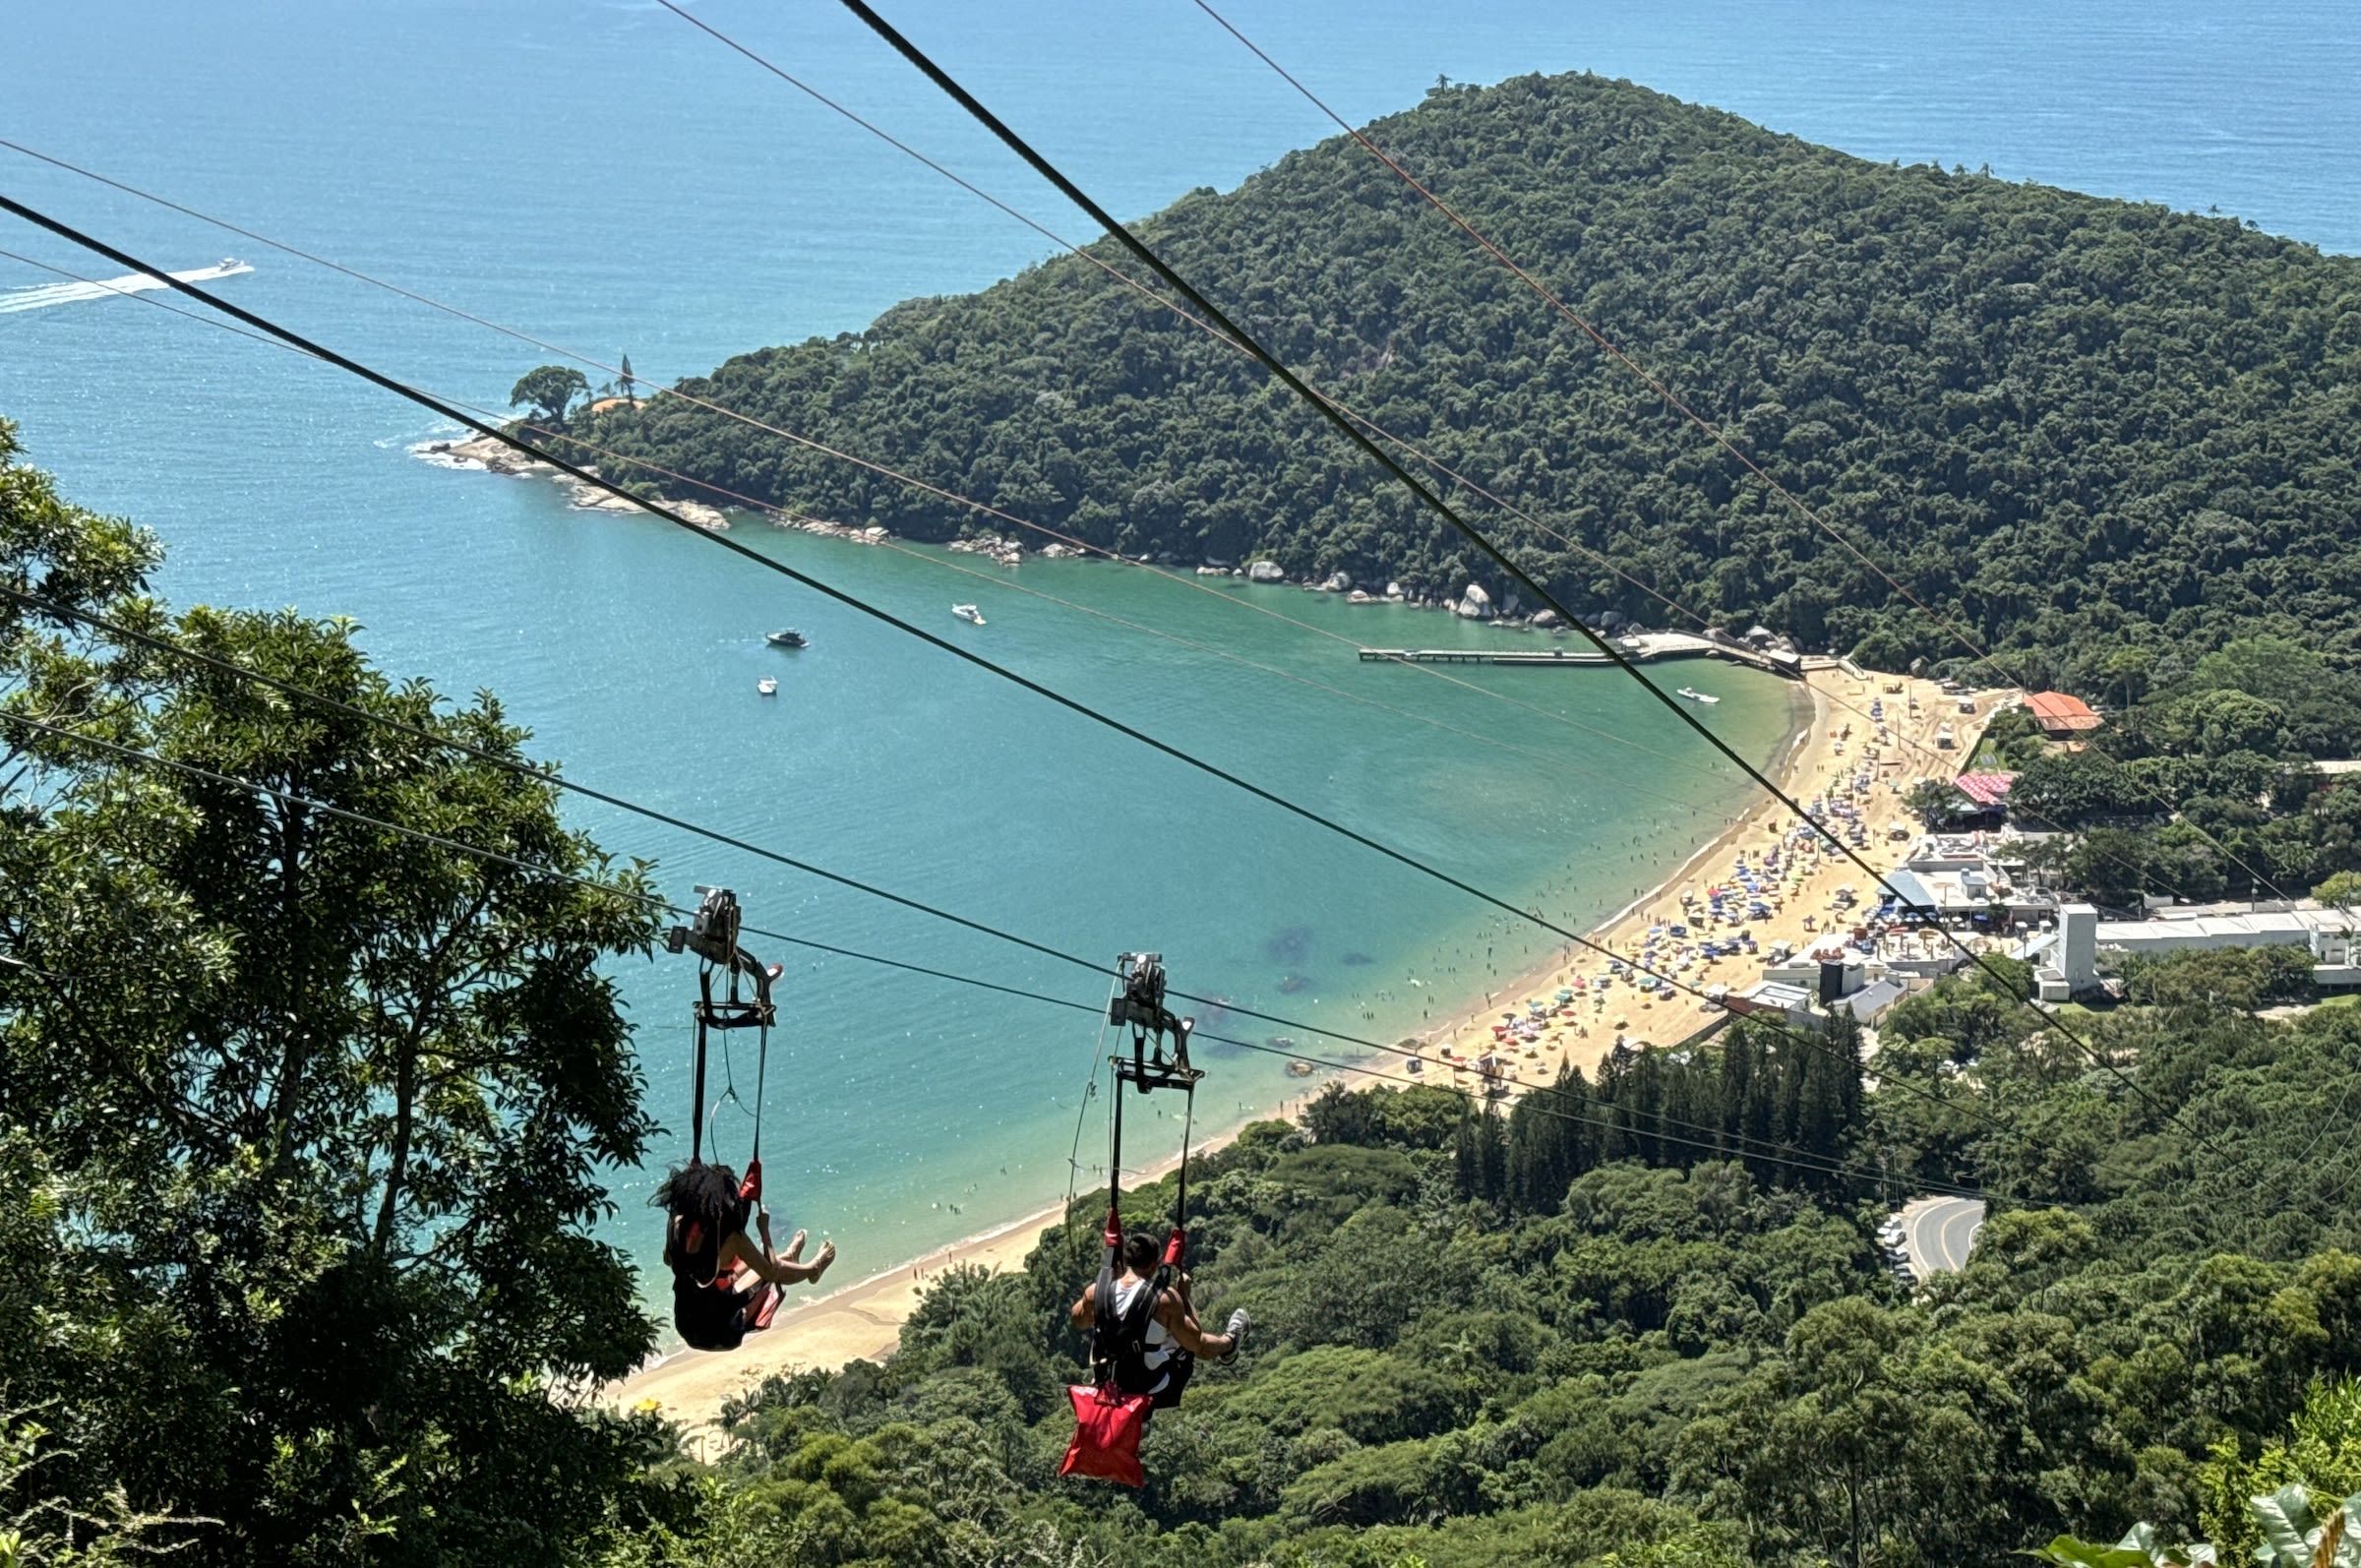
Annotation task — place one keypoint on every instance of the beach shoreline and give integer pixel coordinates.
(863, 1320)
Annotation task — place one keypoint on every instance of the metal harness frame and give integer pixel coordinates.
(713, 938)
(1138, 1001)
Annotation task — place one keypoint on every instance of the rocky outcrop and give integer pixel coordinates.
(1337, 582)
(1265, 571)
(1475, 604)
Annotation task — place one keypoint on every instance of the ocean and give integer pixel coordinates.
(606, 177)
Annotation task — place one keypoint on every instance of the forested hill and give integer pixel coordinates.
(2067, 422)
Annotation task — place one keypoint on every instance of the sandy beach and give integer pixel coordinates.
(1825, 756)
(1824, 760)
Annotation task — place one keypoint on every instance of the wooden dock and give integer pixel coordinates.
(1645, 648)
(1478, 656)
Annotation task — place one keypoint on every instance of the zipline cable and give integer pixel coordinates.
(1672, 705)
(214, 776)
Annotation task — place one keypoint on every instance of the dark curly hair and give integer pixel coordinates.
(706, 1207)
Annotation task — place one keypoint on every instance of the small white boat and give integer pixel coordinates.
(767, 686)
(1696, 696)
(968, 613)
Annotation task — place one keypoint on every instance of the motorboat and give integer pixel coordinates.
(1695, 695)
(767, 686)
(789, 638)
(968, 613)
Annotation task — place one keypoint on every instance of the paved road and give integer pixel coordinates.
(1938, 1233)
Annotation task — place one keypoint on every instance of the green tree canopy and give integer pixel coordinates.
(549, 389)
(304, 1118)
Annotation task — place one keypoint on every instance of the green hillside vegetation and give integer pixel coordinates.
(1672, 1360)
(2075, 427)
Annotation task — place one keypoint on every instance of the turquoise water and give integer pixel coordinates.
(606, 177)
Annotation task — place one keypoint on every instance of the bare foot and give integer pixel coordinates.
(795, 1247)
(827, 1256)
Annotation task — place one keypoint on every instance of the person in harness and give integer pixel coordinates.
(1156, 1340)
(724, 1285)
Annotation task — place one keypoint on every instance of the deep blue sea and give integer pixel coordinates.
(606, 177)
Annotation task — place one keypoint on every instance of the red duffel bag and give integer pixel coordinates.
(1107, 1428)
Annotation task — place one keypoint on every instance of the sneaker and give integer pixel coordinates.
(1236, 1330)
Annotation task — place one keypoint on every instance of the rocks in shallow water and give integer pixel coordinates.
(1359, 597)
(1266, 572)
(1337, 582)
(1475, 604)
(1005, 552)
(1545, 618)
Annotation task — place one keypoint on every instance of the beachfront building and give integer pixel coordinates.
(1780, 1001)
(2062, 717)
(1873, 1001)
(2066, 960)
(1962, 879)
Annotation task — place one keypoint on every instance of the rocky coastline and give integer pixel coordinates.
(1475, 603)
(493, 456)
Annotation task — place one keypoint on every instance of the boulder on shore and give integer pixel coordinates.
(1545, 618)
(1475, 604)
(1359, 597)
(1265, 571)
(1337, 582)
(1393, 590)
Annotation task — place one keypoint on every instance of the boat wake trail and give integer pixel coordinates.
(44, 295)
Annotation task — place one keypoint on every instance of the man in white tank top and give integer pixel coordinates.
(1175, 1323)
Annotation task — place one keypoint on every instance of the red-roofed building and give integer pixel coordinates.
(1986, 789)
(2061, 716)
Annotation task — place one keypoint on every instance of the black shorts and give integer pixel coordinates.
(1179, 1368)
(709, 1318)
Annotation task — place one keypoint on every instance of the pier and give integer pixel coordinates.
(1645, 648)
(1478, 656)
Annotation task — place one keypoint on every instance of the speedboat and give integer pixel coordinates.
(788, 638)
(968, 613)
(1695, 695)
(767, 686)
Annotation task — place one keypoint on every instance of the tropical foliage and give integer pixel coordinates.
(301, 1118)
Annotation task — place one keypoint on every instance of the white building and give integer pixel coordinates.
(2333, 937)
